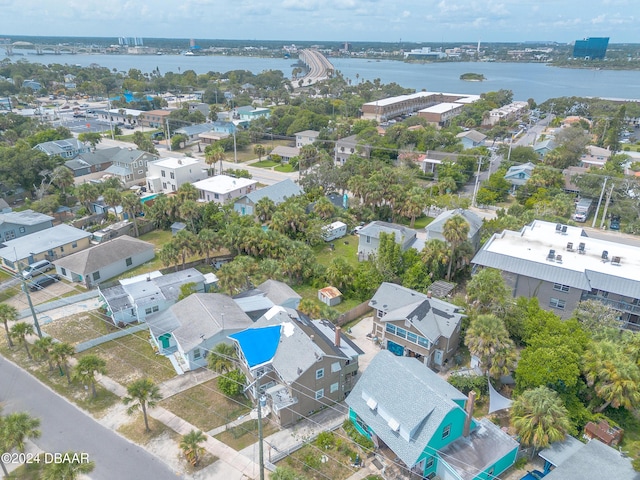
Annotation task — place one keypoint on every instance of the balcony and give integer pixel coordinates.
(616, 304)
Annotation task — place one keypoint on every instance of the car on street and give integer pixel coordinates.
(43, 281)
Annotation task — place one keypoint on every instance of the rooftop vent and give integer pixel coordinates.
(605, 255)
(551, 255)
(581, 248)
(559, 258)
(570, 246)
(558, 227)
(564, 229)
(615, 260)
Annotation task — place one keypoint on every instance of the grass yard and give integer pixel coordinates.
(205, 407)
(286, 168)
(131, 358)
(79, 328)
(307, 291)
(345, 247)
(136, 432)
(264, 164)
(157, 237)
(419, 224)
(246, 434)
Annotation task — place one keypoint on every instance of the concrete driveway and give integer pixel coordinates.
(359, 337)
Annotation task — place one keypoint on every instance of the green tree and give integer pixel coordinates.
(232, 383)
(487, 291)
(340, 274)
(19, 332)
(186, 243)
(488, 340)
(264, 209)
(144, 143)
(596, 317)
(222, 358)
(191, 445)
(87, 193)
(309, 307)
(540, 418)
(71, 468)
(60, 353)
(178, 140)
(209, 241)
(286, 473)
(42, 349)
(388, 258)
(8, 313)
(92, 138)
(169, 254)
(212, 154)
(15, 429)
(112, 197)
(142, 394)
(259, 150)
(86, 369)
(131, 205)
(62, 177)
(455, 231)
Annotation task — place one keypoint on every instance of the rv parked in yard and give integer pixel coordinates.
(583, 209)
(333, 231)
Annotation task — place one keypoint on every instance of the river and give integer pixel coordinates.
(526, 80)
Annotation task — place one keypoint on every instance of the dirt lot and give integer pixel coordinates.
(52, 292)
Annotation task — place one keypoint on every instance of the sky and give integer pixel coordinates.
(429, 21)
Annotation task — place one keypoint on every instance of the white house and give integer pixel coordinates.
(223, 188)
(307, 137)
(167, 174)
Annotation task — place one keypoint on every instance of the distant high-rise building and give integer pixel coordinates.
(592, 48)
(192, 43)
(131, 41)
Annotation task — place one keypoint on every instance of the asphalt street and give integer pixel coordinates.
(66, 428)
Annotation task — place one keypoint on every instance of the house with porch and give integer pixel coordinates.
(187, 331)
(300, 365)
(285, 153)
(471, 139)
(278, 193)
(436, 228)
(595, 157)
(414, 324)
(101, 262)
(543, 147)
(421, 425)
(130, 166)
(18, 224)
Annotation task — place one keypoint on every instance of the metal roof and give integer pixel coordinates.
(25, 217)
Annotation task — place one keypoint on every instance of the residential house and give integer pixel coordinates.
(561, 266)
(32, 84)
(278, 193)
(18, 224)
(571, 459)
(154, 118)
(436, 228)
(330, 296)
(568, 174)
(594, 157)
(441, 114)
(413, 324)
(192, 132)
(507, 113)
(167, 174)
(187, 331)
(67, 148)
(471, 139)
(48, 244)
(223, 188)
(306, 137)
(518, 175)
(248, 113)
(101, 262)
(130, 166)
(300, 365)
(219, 130)
(203, 108)
(257, 301)
(285, 153)
(347, 146)
(426, 424)
(544, 147)
(135, 298)
(369, 238)
(4, 208)
(92, 161)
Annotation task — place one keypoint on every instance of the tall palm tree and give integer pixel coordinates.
(19, 332)
(414, 204)
(455, 231)
(70, 468)
(488, 339)
(132, 206)
(190, 212)
(540, 418)
(62, 177)
(60, 353)
(86, 369)
(186, 243)
(190, 444)
(42, 349)
(15, 429)
(87, 193)
(209, 240)
(324, 208)
(142, 394)
(112, 197)
(309, 307)
(222, 357)
(212, 154)
(259, 150)
(8, 314)
(187, 191)
(264, 209)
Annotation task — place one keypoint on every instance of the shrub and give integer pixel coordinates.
(466, 383)
(326, 440)
(356, 436)
(232, 383)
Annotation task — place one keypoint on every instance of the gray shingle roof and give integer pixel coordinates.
(557, 453)
(474, 221)
(277, 292)
(277, 192)
(473, 135)
(374, 229)
(402, 390)
(130, 155)
(192, 130)
(59, 147)
(100, 256)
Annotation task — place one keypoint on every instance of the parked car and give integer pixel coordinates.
(43, 281)
(37, 268)
(614, 224)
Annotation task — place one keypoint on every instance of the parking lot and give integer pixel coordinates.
(84, 125)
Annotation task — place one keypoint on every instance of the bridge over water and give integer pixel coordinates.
(319, 67)
(42, 49)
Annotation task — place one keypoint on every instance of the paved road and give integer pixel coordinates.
(65, 428)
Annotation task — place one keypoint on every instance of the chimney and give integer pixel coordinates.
(428, 293)
(469, 410)
(337, 342)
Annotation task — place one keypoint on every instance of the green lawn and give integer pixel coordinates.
(205, 407)
(157, 237)
(345, 247)
(264, 164)
(246, 434)
(419, 224)
(286, 168)
(131, 358)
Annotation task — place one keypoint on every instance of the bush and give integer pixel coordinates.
(466, 383)
(232, 383)
(356, 436)
(326, 440)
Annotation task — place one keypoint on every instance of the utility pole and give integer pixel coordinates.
(25, 289)
(595, 217)
(235, 151)
(606, 205)
(168, 135)
(260, 400)
(475, 188)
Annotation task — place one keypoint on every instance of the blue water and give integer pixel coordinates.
(526, 80)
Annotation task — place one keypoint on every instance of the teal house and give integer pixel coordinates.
(423, 425)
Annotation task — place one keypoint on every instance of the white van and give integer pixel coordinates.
(37, 268)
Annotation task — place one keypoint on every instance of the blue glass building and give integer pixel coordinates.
(591, 48)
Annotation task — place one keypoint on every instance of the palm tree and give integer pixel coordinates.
(186, 243)
(62, 177)
(209, 240)
(169, 254)
(187, 191)
(190, 211)
(488, 339)
(540, 418)
(131, 205)
(19, 332)
(8, 314)
(190, 444)
(259, 150)
(42, 349)
(112, 197)
(142, 394)
(222, 357)
(455, 231)
(15, 429)
(324, 208)
(414, 204)
(70, 468)
(86, 369)
(264, 209)
(87, 193)
(435, 256)
(212, 154)
(614, 375)
(309, 307)
(60, 353)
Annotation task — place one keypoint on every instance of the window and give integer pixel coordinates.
(196, 354)
(128, 262)
(162, 173)
(156, 308)
(22, 229)
(147, 311)
(429, 463)
(446, 431)
(74, 244)
(319, 394)
(216, 196)
(560, 287)
(140, 172)
(319, 373)
(401, 332)
(172, 175)
(335, 367)
(96, 275)
(368, 239)
(63, 270)
(557, 303)
(391, 328)
(173, 188)
(10, 235)
(164, 185)
(334, 387)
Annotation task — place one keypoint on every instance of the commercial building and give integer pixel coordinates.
(591, 48)
(388, 108)
(507, 113)
(561, 266)
(441, 114)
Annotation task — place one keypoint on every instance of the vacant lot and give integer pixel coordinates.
(79, 328)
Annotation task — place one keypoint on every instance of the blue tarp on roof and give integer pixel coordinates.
(258, 345)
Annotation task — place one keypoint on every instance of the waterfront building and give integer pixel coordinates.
(591, 48)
